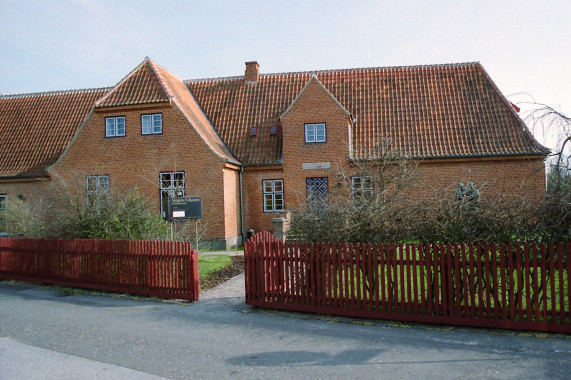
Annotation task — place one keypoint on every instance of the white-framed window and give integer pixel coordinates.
(273, 195)
(361, 188)
(3, 213)
(152, 124)
(172, 185)
(115, 126)
(97, 189)
(315, 133)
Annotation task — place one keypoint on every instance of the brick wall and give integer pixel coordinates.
(254, 215)
(314, 105)
(511, 176)
(136, 161)
(231, 203)
(31, 190)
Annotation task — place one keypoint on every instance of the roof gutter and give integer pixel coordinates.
(460, 156)
(25, 177)
(351, 126)
(264, 164)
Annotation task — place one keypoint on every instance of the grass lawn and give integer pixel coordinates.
(236, 248)
(210, 264)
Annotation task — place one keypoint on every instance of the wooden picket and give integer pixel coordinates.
(514, 286)
(152, 268)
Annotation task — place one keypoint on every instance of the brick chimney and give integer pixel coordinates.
(252, 72)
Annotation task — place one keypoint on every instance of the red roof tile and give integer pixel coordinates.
(36, 128)
(426, 111)
(140, 86)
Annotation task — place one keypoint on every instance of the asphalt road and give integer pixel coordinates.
(46, 334)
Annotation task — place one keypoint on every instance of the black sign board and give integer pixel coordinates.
(181, 208)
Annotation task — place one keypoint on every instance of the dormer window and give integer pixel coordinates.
(115, 126)
(152, 124)
(315, 133)
(253, 132)
(273, 131)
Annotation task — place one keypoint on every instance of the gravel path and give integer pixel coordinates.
(233, 288)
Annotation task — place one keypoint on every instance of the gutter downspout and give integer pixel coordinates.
(241, 205)
(351, 126)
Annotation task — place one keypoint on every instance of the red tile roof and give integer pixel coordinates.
(36, 128)
(140, 86)
(426, 111)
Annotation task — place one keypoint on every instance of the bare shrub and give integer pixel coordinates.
(389, 214)
(491, 219)
(365, 206)
(554, 222)
(66, 212)
(24, 218)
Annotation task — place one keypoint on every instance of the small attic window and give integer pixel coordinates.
(253, 132)
(273, 131)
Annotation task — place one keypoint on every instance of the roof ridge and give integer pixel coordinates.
(324, 71)
(213, 79)
(55, 92)
(473, 63)
(155, 66)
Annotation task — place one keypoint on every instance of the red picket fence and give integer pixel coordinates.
(151, 268)
(512, 286)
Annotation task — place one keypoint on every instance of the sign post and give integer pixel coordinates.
(184, 208)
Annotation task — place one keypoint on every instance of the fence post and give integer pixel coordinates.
(194, 273)
(568, 257)
(2, 242)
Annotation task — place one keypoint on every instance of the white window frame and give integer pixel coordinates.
(361, 187)
(315, 133)
(97, 189)
(273, 195)
(115, 126)
(152, 124)
(171, 184)
(3, 213)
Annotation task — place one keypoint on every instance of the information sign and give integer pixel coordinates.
(180, 208)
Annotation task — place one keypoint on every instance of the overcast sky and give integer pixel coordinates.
(54, 45)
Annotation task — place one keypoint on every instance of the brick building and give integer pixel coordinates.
(253, 146)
